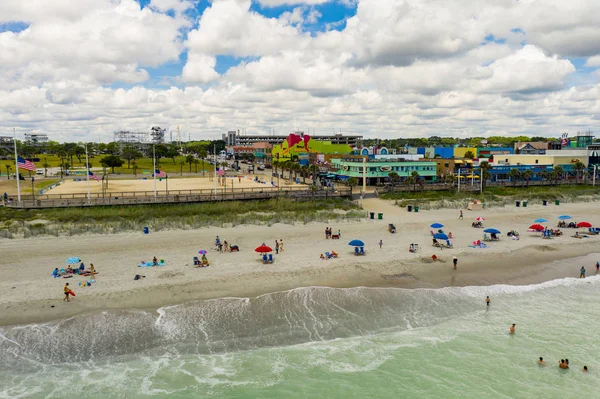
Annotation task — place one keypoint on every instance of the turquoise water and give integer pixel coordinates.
(320, 343)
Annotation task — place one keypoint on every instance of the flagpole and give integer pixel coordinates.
(154, 168)
(17, 165)
(87, 168)
(215, 158)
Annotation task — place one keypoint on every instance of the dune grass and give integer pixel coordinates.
(72, 221)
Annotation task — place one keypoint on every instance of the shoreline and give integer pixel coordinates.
(243, 275)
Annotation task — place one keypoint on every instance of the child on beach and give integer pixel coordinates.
(67, 291)
(455, 262)
(582, 272)
(281, 245)
(380, 243)
(461, 215)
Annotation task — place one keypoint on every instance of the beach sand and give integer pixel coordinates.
(30, 294)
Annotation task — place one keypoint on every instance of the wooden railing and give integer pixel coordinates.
(178, 196)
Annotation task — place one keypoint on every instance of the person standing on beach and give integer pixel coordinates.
(455, 262)
(512, 329)
(582, 272)
(597, 267)
(276, 247)
(487, 301)
(281, 244)
(67, 291)
(461, 214)
(380, 244)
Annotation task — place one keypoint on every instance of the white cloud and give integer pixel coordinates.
(398, 68)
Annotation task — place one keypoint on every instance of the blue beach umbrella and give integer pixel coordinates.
(356, 243)
(436, 226)
(492, 231)
(440, 236)
(564, 217)
(72, 260)
(540, 220)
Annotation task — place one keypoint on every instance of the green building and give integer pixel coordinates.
(379, 169)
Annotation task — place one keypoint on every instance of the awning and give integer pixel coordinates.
(458, 161)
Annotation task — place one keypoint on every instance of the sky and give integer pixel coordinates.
(80, 70)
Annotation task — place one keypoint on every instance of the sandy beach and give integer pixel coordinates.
(30, 294)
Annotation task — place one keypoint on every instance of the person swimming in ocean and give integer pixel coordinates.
(585, 370)
(541, 361)
(487, 301)
(512, 329)
(562, 364)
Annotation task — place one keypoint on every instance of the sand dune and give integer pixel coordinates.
(30, 294)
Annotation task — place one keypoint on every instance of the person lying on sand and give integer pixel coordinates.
(322, 257)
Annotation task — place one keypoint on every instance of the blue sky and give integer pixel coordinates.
(333, 16)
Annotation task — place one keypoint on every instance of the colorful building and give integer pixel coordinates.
(300, 145)
(378, 170)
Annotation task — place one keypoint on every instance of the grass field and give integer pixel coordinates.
(166, 164)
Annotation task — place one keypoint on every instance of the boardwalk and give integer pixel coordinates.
(171, 197)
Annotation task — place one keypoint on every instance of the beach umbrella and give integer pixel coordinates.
(440, 236)
(537, 227)
(584, 224)
(564, 217)
(202, 252)
(492, 231)
(72, 260)
(540, 220)
(263, 248)
(479, 219)
(436, 226)
(356, 243)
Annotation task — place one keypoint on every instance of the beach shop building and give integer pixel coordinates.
(378, 170)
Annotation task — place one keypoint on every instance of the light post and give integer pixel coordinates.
(32, 188)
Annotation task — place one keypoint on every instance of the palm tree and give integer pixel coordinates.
(514, 175)
(275, 164)
(558, 173)
(8, 168)
(484, 168)
(181, 163)
(416, 179)
(314, 170)
(579, 168)
(411, 181)
(394, 177)
(196, 163)
(526, 175)
(135, 169)
(546, 175)
(190, 159)
(202, 153)
(352, 182)
(304, 172)
(45, 165)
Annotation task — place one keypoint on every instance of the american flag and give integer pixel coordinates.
(93, 176)
(160, 173)
(25, 164)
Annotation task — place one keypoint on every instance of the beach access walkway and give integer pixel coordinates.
(175, 196)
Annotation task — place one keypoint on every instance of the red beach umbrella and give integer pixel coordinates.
(479, 219)
(537, 227)
(584, 224)
(262, 249)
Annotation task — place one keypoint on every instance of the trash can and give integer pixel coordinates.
(557, 202)
(524, 204)
(518, 203)
(146, 230)
(372, 215)
(409, 208)
(380, 216)
(545, 202)
(416, 209)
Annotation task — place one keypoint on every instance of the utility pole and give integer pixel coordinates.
(364, 187)
(594, 177)
(87, 173)
(154, 168)
(17, 167)
(458, 180)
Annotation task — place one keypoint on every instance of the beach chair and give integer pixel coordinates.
(265, 259)
(392, 228)
(270, 258)
(356, 251)
(196, 261)
(362, 251)
(486, 237)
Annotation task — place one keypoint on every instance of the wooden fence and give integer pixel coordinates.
(174, 197)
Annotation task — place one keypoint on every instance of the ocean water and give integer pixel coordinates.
(320, 343)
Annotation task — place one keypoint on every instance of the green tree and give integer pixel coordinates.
(558, 173)
(135, 169)
(45, 165)
(526, 175)
(484, 172)
(352, 182)
(314, 170)
(546, 176)
(112, 161)
(579, 169)
(416, 179)
(196, 163)
(130, 154)
(514, 175)
(469, 155)
(181, 164)
(172, 153)
(79, 152)
(394, 177)
(190, 160)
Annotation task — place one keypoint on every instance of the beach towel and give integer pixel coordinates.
(150, 264)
